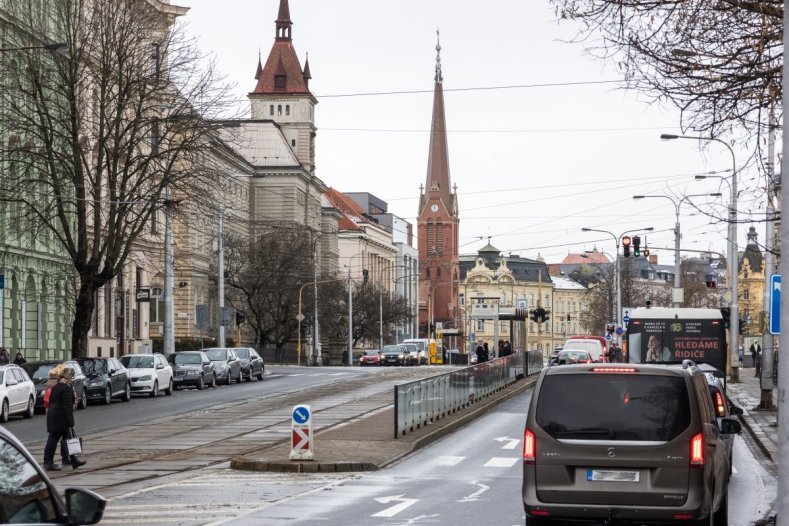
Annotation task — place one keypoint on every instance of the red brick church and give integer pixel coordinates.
(438, 227)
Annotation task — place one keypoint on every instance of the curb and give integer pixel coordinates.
(751, 426)
(443, 429)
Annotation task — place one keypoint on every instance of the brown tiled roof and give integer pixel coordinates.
(282, 60)
(585, 259)
(352, 213)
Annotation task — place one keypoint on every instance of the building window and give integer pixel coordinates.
(480, 325)
(156, 306)
(293, 142)
(271, 110)
(154, 221)
(155, 61)
(462, 300)
(287, 109)
(155, 135)
(746, 294)
(427, 273)
(279, 83)
(279, 110)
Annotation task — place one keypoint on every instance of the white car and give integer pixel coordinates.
(17, 393)
(149, 373)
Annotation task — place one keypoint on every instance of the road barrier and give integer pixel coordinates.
(420, 402)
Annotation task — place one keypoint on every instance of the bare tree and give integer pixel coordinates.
(719, 61)
(94, 136)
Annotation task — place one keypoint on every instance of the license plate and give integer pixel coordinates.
(612, 475)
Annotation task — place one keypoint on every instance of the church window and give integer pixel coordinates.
(287, 109)
(279, 109)
(430, 237)
(279, 83)
(440, 238)
(438, 272)
(427, 273)
(271, 110)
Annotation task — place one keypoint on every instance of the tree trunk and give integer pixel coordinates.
(83, 315)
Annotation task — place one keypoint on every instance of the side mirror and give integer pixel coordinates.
(729, 426)
(159, 366)
(84, 506)
(735, 410)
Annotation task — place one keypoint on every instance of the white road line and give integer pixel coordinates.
(501, 462)
(473, 497)
(448, 461)
(397, 508)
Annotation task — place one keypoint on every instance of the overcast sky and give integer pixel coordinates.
(533, 165)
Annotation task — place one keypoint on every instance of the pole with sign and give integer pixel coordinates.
(301, 433)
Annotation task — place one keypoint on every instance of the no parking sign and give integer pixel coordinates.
(301, 433)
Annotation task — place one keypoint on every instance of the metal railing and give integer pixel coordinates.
(420, 402)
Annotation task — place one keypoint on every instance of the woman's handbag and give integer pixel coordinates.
(73, 443)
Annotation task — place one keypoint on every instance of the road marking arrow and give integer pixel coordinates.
(397, 508)
(473, 497)
(512, 443)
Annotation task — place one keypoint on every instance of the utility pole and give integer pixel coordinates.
(782, 499)
(768, 360)
(169, 335)
(221, 264)
(350, 318)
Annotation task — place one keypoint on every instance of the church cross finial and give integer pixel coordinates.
(439, 75)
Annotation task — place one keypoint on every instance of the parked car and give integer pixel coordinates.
(553, 358)
(251, 363)
(636, 442)
(192, 368)
(27, 496)
(370, 357)
(723, 409)
(17, 393)
(107, 378)
(150, 373)
(571, 357)
(227, 364)
(39, 373)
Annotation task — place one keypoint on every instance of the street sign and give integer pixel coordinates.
(608, 336)
(619, 331)
(300, 317)
(301, 433)
(201, 315)
(775, 304)
(626, 319)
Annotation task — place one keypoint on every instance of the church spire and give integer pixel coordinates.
(438, 183)
(283, 21)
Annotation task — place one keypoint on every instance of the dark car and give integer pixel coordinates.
(39, 373)
(571, 357)
(227, 364)
(251, 363)
(398, 354)
(192, 368)
(106, 378)
(639, 443)
(553, 358)
(723, 409)
(27, 496)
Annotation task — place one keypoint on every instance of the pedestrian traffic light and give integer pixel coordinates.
(636, 246)
(240, 317)
(626, 246)
(743, 326)
(365, 275)
(726, 314)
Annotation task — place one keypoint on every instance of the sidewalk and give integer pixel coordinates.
(761, 424)
(367, 443)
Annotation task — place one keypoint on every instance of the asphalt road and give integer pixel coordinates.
(470, 477)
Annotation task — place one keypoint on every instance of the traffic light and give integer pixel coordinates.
(539, 315)
(240, 317)
(710, 283)
(365, 275)
(626, 246)
(726, 314)
(636, 246)
(743, 326)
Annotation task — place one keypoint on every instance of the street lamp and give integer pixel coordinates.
(617, 239)
(675, 297)
(734, 326)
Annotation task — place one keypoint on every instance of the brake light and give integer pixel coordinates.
(539, 513)
(614, 370)
(719, 405)
(529, 447)
(697, 450)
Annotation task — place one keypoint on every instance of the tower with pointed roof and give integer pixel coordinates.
(438, 225)
(282, 92)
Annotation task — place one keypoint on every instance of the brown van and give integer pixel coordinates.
(623, 444)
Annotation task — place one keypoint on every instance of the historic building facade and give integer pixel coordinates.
(438, 223)
(751, 293)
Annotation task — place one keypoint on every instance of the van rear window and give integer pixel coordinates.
(598, 406)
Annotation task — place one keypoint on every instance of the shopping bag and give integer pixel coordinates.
(73, 444)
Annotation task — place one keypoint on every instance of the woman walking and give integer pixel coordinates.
(60, 419)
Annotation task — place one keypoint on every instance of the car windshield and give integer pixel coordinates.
(38, 371)
(242, 353)
(137, 362)
(371, 352)
(597, 406)
(217, 355)
(393, 348)
(94, 366)
(2, 373)
(185, 359)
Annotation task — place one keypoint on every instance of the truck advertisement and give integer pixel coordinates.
(675, 340)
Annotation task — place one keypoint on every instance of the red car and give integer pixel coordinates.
(370, 357)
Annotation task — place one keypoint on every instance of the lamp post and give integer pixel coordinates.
(734, 326)
(676, 298)
(300, 316)
(350, 310)
(617, 270)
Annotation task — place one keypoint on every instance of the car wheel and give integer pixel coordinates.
(200, 383)
(31, 408)
(240, 376)
(170, 388)
(4, 412)
(107, 396)
(260, 375)
(721, 517)
(83, 400)
(535, 521)
(126, 396)
(155, 390)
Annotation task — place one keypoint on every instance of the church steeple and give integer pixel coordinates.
(283, 21)
(438, 182)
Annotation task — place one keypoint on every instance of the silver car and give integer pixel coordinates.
(226, 363)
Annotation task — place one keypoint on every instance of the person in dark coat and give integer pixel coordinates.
(60, 419)
(19, 360)
(5, 357)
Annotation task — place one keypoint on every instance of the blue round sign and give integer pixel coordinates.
(619, 331)
(608, 336)
(626, 319)
(301, 414)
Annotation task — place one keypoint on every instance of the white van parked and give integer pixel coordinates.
(594, 345)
